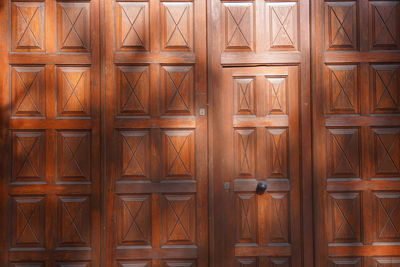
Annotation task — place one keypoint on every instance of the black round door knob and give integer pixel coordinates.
(261, 188)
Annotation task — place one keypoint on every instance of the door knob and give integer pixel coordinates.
(261, 188)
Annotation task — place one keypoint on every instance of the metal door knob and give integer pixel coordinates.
(261, 188)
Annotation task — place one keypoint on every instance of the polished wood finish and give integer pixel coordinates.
(260, 131)
(156, 179)
(50, 106)
(356, 132)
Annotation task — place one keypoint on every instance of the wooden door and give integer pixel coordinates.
(156, 133)
(259, 84)
(357, 132)
(50, 106)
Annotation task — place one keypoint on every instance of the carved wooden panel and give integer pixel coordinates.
(178, 220)
(246, 262)
(27, 26)
(385, 24)
(276, 95)
(176, 263)
(134, 155)
(386, 152)
(73, 156)
(28, 157)
(177, 26)
(344, 217)
(177, 90)
(385, 88)
(341, 25)
(384, 261)
(341, 89)
(244, 95)
(133, 87)
(73, 21)
(278, 226)
(73, 222)
(345, 262)
(133, 264)
(279, 262)
(246, 218)
(28, 91)
(132, 26)
(238, 26)
(73, 91)
(178, 154)
(343, 153)
(73, 264)
(245, 150)
(133, 221)
(277, 153)
(386, 216)
(27, 221)
(282, 25)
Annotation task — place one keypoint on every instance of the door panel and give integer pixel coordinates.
(356, 132)
(155, 135)
(50, 190)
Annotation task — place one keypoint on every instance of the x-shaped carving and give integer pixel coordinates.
(132, 89)
(277, 156)
(237, 25)
(73, 90)
(28, 26)
(73, 153)
(386, 86)
(176, 25)
(342, 86)
(245, 146)
(344, 218)
(275, 90)
(132, 24)
(384, 21)
(245, 94)
(178, 155)
(133, 151)
(341, 26)
(27, 153)
(388, 150)
(27, 224)
(178, 219)
(245, 213)
(343, 151)
(27, 89)
(73, 220)
(282, 24)
(133, 222)
(389, 215)
(177, 90)
(278, 204)
(72, 28)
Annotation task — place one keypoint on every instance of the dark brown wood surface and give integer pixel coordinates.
(357, 132)
(260, 133)
(50, 92)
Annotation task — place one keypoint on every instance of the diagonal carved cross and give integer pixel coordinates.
(388, 215)
(133, 154)
(73, 90)
(132, 89)
(386, 87)
(282, 23)
(246, 211)
(344, 218)
(178, 155)
(73, 153)
(388, 150)
(133, 217)
(27, 223)
(178, 219)
(177, 90)
(132, 23)
(28, 26)
(27, 89)
(73, 220)
(343, 151)
(277, 159)
(176, 25)
(73, 26)
(27, 154)
(341, 26)
(246, 94)
(276, 92)
(393, 10)
(237, 26)
(342, 86)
